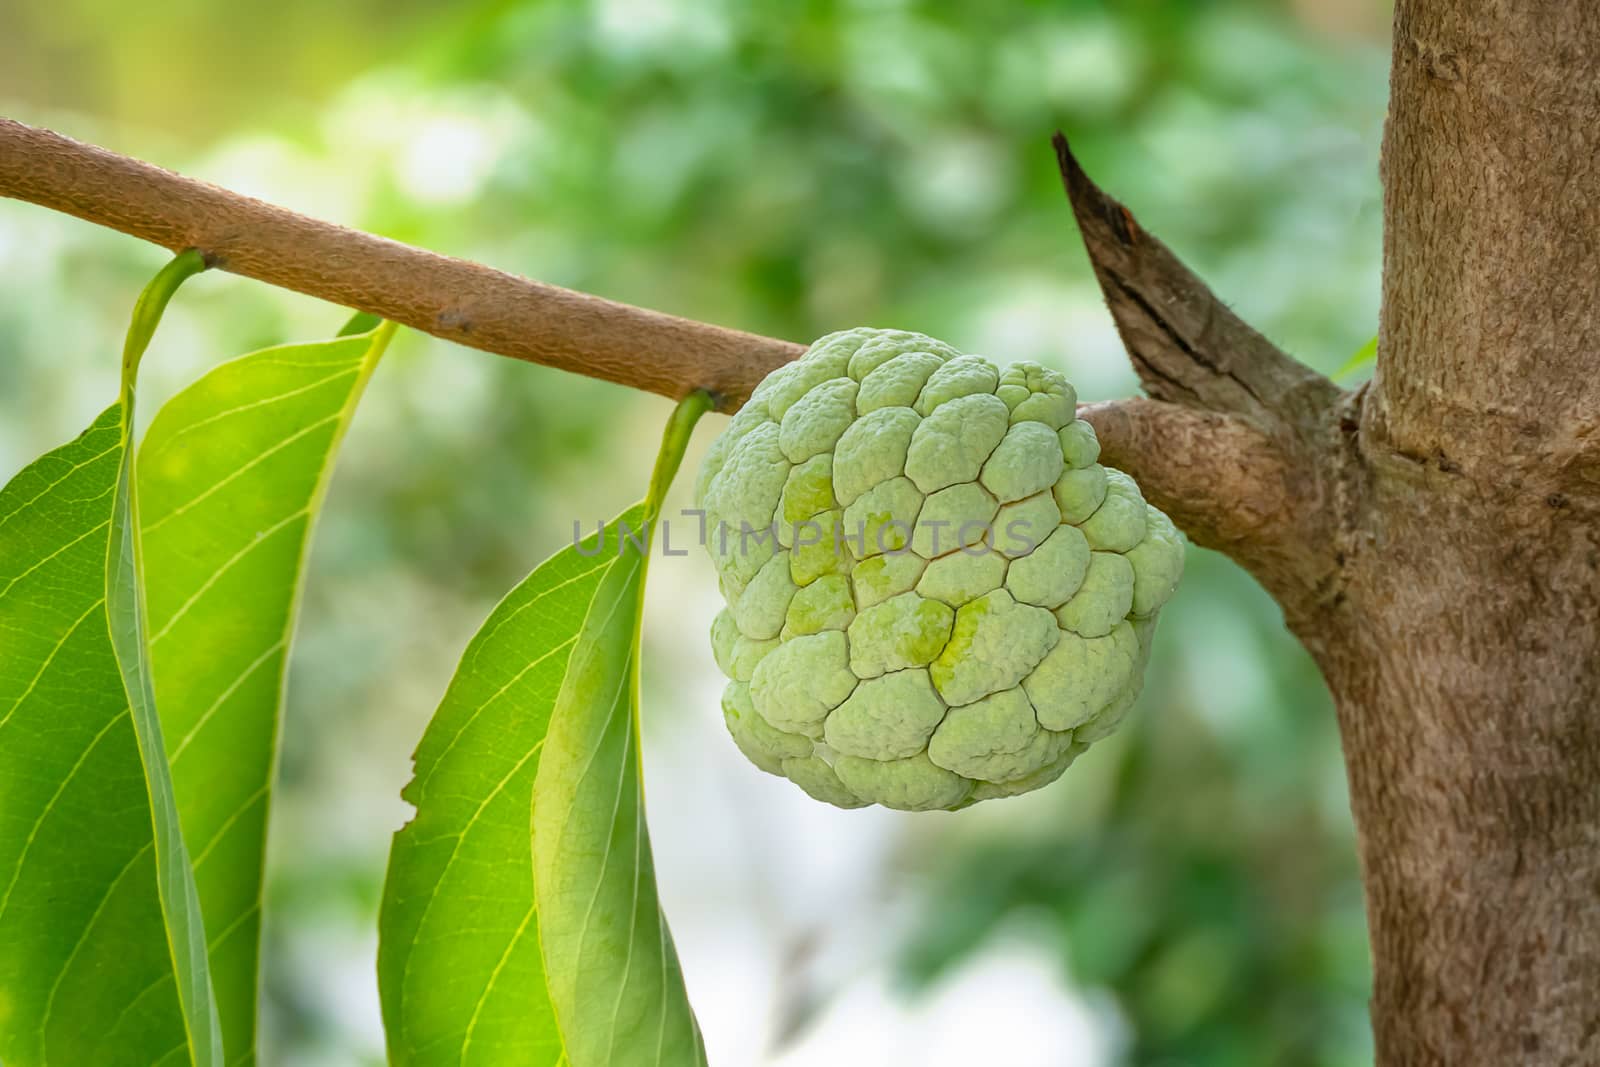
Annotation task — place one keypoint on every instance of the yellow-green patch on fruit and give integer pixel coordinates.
(904, 631)
(818, 548)
(882, 519)
(878, 578)
(825, 604)
(995, 643)
(808, 491)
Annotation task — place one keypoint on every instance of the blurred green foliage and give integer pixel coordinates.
(789, 169)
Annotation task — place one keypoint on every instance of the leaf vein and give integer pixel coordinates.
(4, 589)
(255, 460)
(228, 564)
(227, 824)
(23, 505)
(222, 698)
(22, 857)
(494, 976)
(218, 416)
(83, 938)
(49, 659)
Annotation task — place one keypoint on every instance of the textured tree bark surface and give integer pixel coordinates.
(1433, 537)
(1463, 644)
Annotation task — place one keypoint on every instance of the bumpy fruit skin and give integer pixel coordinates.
(935, 594)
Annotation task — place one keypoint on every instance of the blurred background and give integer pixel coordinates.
(1188, 894)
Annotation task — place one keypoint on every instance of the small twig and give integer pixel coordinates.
(451, 298)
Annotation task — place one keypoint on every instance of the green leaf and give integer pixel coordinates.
(102, 947)
(231, 476)
(1367, 353)
(613, 973)
(85, 972)
(459, 963)
(458, 950)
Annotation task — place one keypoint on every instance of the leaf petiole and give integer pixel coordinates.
(150, 306)
(674, 441)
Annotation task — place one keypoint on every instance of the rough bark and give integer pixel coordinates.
(1434, 540)
(1465, 654)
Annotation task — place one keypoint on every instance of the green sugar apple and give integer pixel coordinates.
(935, 594)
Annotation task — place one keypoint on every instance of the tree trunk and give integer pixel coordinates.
(1464, 650)
(1432, 536)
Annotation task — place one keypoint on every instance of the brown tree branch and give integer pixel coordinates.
(1185, 344)
(1219, 478)
(450, 298)
(1224, 480)
(1228, 485)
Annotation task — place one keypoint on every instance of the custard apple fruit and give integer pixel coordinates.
(935, 594)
